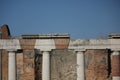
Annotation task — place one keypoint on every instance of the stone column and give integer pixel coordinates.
(45, 45)
(11, 65)
(115, 65)
(46, 66)
(80, 65)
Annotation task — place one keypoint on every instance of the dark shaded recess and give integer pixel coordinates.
(109, 62)
(38, 65)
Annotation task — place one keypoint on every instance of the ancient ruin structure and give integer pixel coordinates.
(57, 57)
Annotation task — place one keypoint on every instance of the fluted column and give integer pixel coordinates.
(80, 65)
(115, 65)
(11, 65)
(46, 66)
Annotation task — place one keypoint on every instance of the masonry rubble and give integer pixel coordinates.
(57, 57)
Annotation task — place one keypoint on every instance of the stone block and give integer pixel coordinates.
(27, 44)
(61, 43)
(63, 65)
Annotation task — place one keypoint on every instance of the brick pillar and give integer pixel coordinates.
(46, 66)
(12, 65)
(115, 65)
(80, 65)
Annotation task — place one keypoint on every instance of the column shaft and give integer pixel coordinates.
(116, 65)
(11, 66)
(46, 66)
(80, 66)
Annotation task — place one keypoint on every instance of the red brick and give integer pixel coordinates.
(4, 65)
(115, 65)
(96, 64)
(27, 44)
(61, 43)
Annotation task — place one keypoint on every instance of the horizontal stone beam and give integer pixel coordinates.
(9, 44)
(95, 44)
(48, 44)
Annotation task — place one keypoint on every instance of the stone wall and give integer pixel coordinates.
(116, 65)
(28, 57)
(63, 65)
(96, 64)
(19, 62)
(25, 65)
(38, 65)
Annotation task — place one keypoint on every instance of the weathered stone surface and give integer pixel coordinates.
(27, 77)
(10, 44)
(28, 65)
(28, 59)
(63, 65)
(96, 64)
(29, 54)
(27, 44)
(61, 43)
(38, 65)
(113, 44)
(116, 65)
(25, 65)
(19, 61)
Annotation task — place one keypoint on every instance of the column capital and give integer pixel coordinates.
(46, 50)
(14, 50)
(80, 50)
(117, 49)
(11, 50)
(116, 52)
(45, 44)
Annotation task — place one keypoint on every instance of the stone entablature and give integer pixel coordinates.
(44, 36)
(113, 44)
(10, 44)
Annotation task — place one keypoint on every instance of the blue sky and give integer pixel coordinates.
(79, 18)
